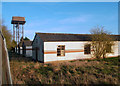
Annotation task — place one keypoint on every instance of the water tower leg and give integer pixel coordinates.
(22, 31)
(18, 32)
(14, 32)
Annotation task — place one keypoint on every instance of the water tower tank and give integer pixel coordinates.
(17, 19)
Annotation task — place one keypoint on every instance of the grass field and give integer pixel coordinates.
(26, 71)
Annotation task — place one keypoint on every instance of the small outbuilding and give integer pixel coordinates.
(24, 48)
(59, 46)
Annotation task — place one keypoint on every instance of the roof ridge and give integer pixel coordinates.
(62, 33)
(71, 34)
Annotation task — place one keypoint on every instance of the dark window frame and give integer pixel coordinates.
(109, 50)
(61, 50)
(87, 49)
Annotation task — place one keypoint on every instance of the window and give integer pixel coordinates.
(61, 50)
(87, 49)
(108, 48)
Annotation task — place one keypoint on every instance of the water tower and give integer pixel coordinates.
(18, 27)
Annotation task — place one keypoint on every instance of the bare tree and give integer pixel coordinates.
(101, 42)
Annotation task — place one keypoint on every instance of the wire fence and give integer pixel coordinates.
(5, 73)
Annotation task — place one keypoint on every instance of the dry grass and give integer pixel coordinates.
(26, 71)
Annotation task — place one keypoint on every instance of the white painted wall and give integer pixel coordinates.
(20, 50)
(119, 48)
(52, 46)
(28, 52)
(115, 49)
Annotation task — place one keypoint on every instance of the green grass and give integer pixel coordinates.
(103, 71)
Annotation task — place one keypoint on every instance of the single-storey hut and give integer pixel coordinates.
(58, 46)
(24, 48)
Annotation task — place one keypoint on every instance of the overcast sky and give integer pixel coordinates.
(61, 17)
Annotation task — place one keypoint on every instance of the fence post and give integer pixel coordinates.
(0, 60)
(6, 74)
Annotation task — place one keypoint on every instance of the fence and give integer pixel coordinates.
(4, 62)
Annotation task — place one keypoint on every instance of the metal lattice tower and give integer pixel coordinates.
(18, 31)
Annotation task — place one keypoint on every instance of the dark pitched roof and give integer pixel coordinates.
(26, 43)
(116, 37)
(68, 37)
